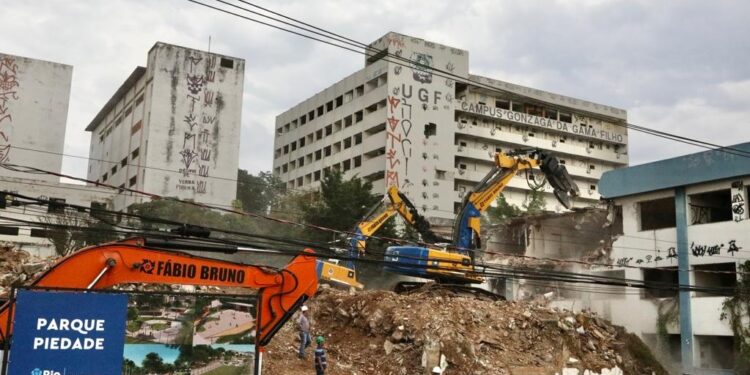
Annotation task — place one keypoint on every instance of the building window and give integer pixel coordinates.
(566, 117)
(320, 111)
(8, 231)
(104, 177)
(301, 161)
(301, 142)
(227, 63)
(329, 106)
(316, 176)
(139, 100)
(134, 154)
(347, 143)
(124, 162)
(56, 206)
(439, 175)
(502, 104)
(347, 165)
(133, 180)
(311, 115)
(114, 170)
(657, 213)
(318, 155)
(39, 233)
(358, 116)
(357, 161)
(430, 129)
(303, 120)
(319, 134)
(358, 138)
(327, 151)
(660, 282)
(284, 168)
(329, 129)
(339, 101)
(711, 207)
(286, 149)
(294, 145)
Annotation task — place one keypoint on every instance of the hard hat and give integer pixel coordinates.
(304, 308)
(437, 370)
(320, 339)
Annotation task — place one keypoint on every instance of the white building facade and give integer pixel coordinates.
(688, 213)
(34, 97)
(434, 134)
(172, 128)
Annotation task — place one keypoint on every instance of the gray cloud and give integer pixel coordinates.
(677, 66)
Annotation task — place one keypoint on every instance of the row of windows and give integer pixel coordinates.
(321, 153)
(492, 149)
(333, 104)
(309, 178)
(710, 207)
(329, 129)
(534, 133)
(123, 163)
(118, 120)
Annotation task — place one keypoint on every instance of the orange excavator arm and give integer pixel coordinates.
(281, 292)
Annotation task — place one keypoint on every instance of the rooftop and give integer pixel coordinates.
(706, 166)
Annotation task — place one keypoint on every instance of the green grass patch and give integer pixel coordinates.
(134, 325)
(226, 370)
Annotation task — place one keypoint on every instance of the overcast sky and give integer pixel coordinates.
(678, 66)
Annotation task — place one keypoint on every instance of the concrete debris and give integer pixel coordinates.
(17, 267)
(391, 334)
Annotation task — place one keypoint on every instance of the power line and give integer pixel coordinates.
(436, 71)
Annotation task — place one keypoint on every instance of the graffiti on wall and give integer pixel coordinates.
(738, 201)
(8, 94)
(199, 120)
(696, 250)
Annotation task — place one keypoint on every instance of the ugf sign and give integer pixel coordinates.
(68, 333)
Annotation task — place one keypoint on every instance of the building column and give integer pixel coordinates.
(683, 265)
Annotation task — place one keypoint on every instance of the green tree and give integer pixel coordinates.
(258, 193)
(132, 313)
(153, 363)
(340, 206)
(736, 310)
(503, 210)
(535, 203)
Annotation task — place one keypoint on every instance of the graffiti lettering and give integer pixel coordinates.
(203, 170)
(738, 201)
(8, 82)
(623, 261)
(190, 121)
(195, 83)
(201, 187)
(393, 122)
(208, 98)
(188, 157)
(210, 76)
(193, 100)
(393, 137)
(391, 157)
(702, 250)
(204, 136)
(733, 248)
(392, 103)
(208, 119)
(205, 154)
(186, 141)
(391, 178)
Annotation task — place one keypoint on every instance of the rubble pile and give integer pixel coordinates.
(380, 332)
(17, 267)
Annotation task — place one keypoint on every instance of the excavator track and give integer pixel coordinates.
(462, 290)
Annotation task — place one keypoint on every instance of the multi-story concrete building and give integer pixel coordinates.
(685, 221)
(172, 128)
(434, 132)
(34, 97)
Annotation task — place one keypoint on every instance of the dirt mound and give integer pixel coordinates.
(380, 332)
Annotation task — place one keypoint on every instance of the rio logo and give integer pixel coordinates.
(37, 371)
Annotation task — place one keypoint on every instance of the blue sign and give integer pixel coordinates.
(67, 333)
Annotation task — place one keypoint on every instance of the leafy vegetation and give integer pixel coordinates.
(736, 310)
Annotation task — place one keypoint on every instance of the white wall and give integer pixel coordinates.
(34, 98)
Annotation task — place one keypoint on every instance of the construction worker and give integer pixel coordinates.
(303, 325)
(321, 362)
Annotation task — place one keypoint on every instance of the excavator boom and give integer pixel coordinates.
(281, 292)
